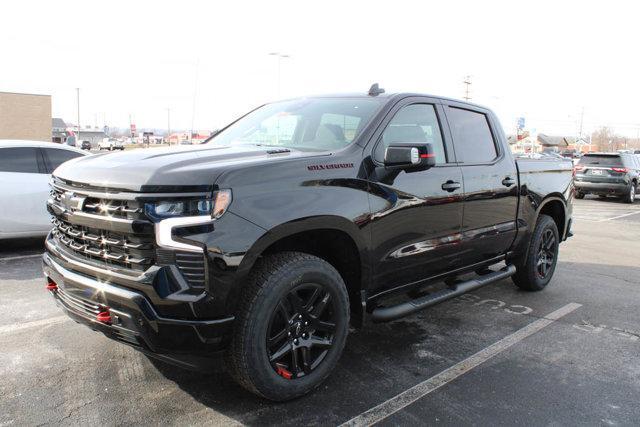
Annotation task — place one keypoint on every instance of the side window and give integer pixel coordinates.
(414, 123)
(471, 136)
(19, 159)
(55, 157)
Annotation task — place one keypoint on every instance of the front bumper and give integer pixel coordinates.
(601, 187)
(185, 342)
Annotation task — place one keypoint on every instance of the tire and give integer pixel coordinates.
(579, 195)
(530, 276)
(270, 296)
(630, 197)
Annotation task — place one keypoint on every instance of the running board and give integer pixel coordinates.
(385, 314)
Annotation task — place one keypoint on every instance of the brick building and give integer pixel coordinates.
(25, 116)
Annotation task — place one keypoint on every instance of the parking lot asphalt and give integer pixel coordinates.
(499, 356)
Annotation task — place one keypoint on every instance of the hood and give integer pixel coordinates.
(138, 169)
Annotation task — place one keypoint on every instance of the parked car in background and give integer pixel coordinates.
(613, 174)
(571, 154)
(25, 171)
(86, 145)
(110, 144)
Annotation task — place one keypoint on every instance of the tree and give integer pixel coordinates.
(603, 138)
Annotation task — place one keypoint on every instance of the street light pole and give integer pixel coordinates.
(279, 57)
(78, 105)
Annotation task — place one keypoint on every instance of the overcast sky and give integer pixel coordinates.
(541, 60)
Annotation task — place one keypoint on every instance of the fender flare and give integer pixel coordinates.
(320, 222)
(550, 198)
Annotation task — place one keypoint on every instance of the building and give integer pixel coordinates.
(555, 143)
(25, 116)
(58, 130)
(183, 137)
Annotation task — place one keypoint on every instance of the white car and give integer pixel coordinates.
(25, 171)
(110, 144)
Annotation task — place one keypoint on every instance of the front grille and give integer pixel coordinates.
(132, 252)
(110, 231)
(127, 209)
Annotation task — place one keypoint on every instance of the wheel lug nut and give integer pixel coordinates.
(289, 333)
(300, 316)
(306, 323)
(295, 341)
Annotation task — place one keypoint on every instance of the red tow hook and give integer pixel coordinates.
(51, 285)
(104, 316)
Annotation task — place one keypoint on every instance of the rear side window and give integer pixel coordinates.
(471, 136)
(19, 159)
(600, 160)
(55, 157)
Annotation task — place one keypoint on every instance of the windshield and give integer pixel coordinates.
(318, 124)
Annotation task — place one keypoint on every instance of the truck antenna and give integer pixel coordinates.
(375, 90)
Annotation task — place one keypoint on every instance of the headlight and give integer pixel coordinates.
(216, 207)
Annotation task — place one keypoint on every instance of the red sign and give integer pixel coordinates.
(133, 129)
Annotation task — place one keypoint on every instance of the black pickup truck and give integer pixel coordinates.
(301, 218)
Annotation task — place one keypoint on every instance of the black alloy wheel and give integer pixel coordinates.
(546, 253)
(291, 326)
(535, 265)
(301, 331)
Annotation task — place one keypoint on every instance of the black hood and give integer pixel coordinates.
(177, 166)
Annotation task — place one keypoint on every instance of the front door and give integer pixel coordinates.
(491, 183)
(416, 216)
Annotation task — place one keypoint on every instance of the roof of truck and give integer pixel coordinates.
(391, 95)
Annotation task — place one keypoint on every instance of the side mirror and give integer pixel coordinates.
(410, 156)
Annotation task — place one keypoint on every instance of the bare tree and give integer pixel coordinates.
(604, 139)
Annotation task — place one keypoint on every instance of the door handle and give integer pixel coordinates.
(508, 181)
(450, 186)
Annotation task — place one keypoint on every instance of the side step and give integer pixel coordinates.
(385, 314)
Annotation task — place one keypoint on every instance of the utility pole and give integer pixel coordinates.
(467, 83)
(279, 57)
(78, 105)
(581, 122)
(193, 109)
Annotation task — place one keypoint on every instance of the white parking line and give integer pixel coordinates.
(7, 329)
(621, 216)
(13, 258)
(404, 399)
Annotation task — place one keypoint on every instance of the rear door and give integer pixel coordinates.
(415, 221)
(491, 182)
(24, 188)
